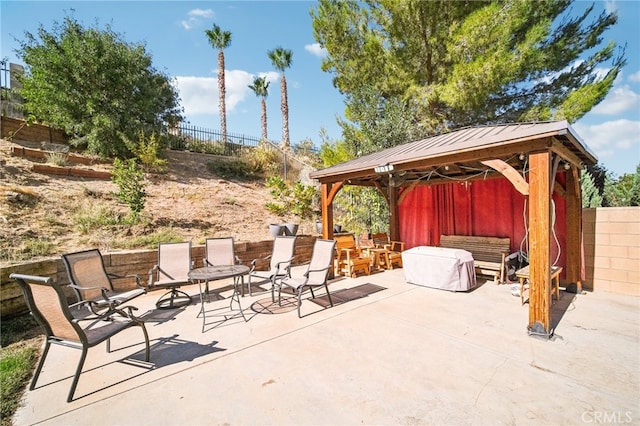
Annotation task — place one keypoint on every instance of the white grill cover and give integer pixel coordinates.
(439, 267)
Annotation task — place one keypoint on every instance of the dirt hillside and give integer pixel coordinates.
(44, 215)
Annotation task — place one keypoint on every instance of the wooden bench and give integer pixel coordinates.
(488, 252)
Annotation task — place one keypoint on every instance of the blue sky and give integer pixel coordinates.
(173, 32)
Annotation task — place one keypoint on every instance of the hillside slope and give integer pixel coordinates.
(45, 215)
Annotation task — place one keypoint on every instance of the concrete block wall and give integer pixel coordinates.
(612, 249)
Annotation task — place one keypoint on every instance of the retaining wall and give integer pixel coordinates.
(18, 129)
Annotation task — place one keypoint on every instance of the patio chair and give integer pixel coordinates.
(171, 272)
(48, 304)
(90, 281)
(221, 251)
(279, 265)
(316, 275)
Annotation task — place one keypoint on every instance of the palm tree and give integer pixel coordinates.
(220, 40)
(260, 87)
(281, 59)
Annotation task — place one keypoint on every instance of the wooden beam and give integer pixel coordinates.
(539, 244)
(382, 191)
(510, 173)
(394, 223)
(564, 152)
(327, 211)
(558, 189)
(573, 250)
(407, 190)
(334, 190)
(554, 171)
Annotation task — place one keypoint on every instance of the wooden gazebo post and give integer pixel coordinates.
(329, 191)
(394, 222)
(573, 249)
(540, 243)
(327, 212)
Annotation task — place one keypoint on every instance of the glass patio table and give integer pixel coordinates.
(218, 272)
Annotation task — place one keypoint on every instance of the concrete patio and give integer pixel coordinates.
(403, 355)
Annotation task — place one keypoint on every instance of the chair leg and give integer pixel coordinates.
(36, 374)
(328, 294)
(170, 302)
(147, 351)
(77, 375)
(300, 299)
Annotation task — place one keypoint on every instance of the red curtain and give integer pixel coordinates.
(491, 208)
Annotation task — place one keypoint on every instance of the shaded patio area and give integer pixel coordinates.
(388, 352)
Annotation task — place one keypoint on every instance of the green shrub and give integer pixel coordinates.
(149, 241)
(147, 150)
(205, 147)
(298, 199)
(90, 215)
(263, 160)
(130, 179)
(231, 169)
(57, 158)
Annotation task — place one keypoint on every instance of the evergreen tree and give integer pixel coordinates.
(625, 191)
(455, 64)
(591, 197)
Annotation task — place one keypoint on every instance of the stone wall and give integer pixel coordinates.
(612, 249)
(136, 262)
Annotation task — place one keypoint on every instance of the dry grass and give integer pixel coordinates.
(47, 215)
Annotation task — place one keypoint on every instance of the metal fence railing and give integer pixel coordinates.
(200, 139)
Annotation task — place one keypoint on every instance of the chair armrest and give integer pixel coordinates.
(102, 290)
(151, 271)
(306, 274)
(287, 266)
(397, 243)
(120, 277)
(254, 262)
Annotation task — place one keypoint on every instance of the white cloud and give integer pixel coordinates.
(635, 77)
(619, 100)
(203, 13)
(610, 6)
(194, 17)
(272, 77)
(199, 95)
(316, 50)
(607, 138)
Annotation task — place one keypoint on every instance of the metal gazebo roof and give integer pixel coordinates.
(458, 154)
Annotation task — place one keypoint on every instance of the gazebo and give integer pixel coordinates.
(480, 180)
